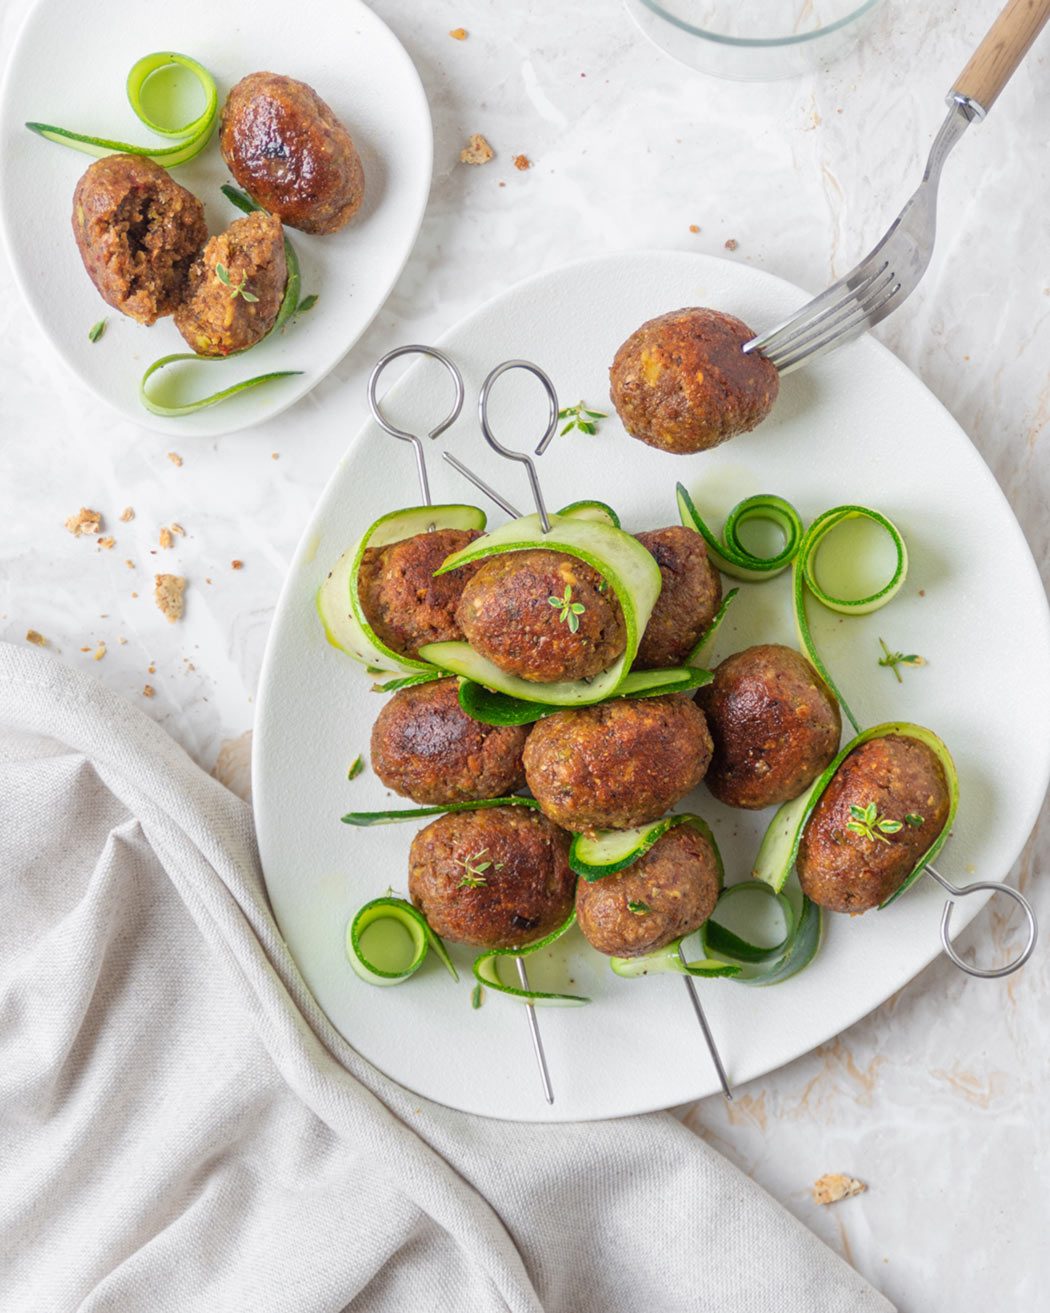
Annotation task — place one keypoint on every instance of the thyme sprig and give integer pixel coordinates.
(241, 290)
(867, 822)
(474, 869)
(894, 659)
(579, 417)
(569, 611)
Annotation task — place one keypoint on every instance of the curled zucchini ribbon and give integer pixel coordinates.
(800, 550)
(189, 139)
(779, 848)
(607, 852)
(486, 972)
(403, 914)
(339, 599)
(397, 814)
(287, 308)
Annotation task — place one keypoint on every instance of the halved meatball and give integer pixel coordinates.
(618, 764)
(848, 871)
(496, 878)
(689, 598)
(774, 723)
(682, 383)
(668, 893)
(235, 287)
(544, 616)
(403, 601)
(288, 150)
(138, 232)
(427, 748)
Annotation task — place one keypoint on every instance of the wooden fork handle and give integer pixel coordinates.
(995, 60)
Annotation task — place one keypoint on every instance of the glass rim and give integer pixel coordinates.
(795, 39)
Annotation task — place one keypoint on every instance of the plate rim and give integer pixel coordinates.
(964, 914)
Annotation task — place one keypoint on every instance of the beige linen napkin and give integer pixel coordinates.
(181, 1129)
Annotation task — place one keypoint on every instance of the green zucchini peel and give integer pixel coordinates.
(596, 856)
(774, 963)
(395, 815)
(728, 552)
(630, 570)
(338, 601)
(486, 972)
(481, 703)
(589, 509)
(780, 844)
(412, 920)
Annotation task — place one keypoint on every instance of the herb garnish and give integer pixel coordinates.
(356, 767)
(96, 330)
(870, 825)
(476, 996)
(307, 303)
(579, 417)
(570, 610)
(223, 275)
(474, 869)
(639, 908)
(914, 820)
(894, 659)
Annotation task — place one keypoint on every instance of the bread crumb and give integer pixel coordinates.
(174, 457)
(177, 528)
(731, 243)
(236, 565)
(148, 690)
(134, 594)
(459, 34)
(151, 669)
(86, 521)
(476, 151)
(122, 640)
(165, 539)
(86, 649)
(834, 1186)
(127, 514)
(36, 638)
(694, 227)
(168, 592)
(99, 652)
(275, 455)
(522, 162)
(107, 544)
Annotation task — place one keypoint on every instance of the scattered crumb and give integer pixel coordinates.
(459, 34)
(174, 457)
(207, 581)
(731, 243)
(134, 594)
(178, 529)
(503, 184)
(833, 1187)
(476, 151)
(236, 565)
(151, 669)
(127, 514)
(275, 455)
(522, 162)
(168, 592)
(99, 652)
(86, 649)
(148, 690)
(130, 564)
(922, 592)
(86, 521)
(122, 640)
(189, 665)
(165, 539)
(36, 638)
(107, 544)
(694, 227)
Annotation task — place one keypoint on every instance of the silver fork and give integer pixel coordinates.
(892, 270)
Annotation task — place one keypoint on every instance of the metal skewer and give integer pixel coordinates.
(978, 886)
(414, 438)
(541, 510)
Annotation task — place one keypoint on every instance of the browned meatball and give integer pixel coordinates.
(618, 764)
(508, 614)
(403, 601)
(496, 878)
(682, 383)
(138, 233)
(774, 723)
(427, 748)
(689, 598)
(222, 315)
(288, 150)
(850, 872)
(668, 893)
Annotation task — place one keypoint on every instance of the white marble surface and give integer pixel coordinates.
(937, 1100)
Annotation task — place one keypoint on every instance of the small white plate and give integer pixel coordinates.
(68, 68)
(857, 427)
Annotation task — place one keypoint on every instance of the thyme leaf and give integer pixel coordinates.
(894, 659)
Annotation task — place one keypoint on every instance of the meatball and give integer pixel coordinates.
(543, 616)
(288, 150)
(403, 601)
(496, 878)
(138, 232)
(689, 598)
(617, 764)
(220, 315)
(427, 748)
(666, 894)
(682, 383)
(851, 872)
(774, 724)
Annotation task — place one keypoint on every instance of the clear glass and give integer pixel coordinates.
(753, 40)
